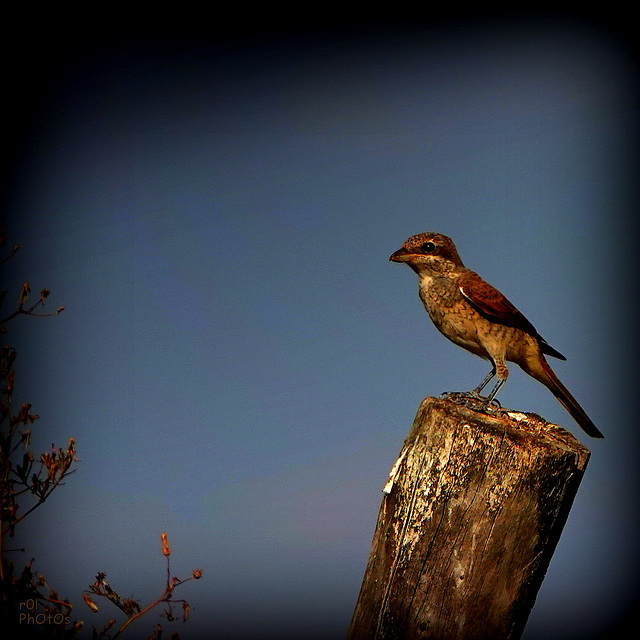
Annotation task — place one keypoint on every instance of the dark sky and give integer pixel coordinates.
(238, 361)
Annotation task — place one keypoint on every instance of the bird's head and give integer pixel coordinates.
(429, 254)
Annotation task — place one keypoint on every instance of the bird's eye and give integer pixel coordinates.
(428, 247)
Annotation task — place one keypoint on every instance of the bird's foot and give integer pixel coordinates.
(492, 405)
(472, 400)
(459, 395)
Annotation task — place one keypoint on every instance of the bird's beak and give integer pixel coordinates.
(401, 255)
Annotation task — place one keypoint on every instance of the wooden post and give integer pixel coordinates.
(470, 518)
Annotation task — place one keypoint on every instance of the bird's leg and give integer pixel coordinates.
(501, 370)
(474, 396)
(483, 384)
(490, 399)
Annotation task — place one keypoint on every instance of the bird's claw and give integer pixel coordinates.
(472, 400)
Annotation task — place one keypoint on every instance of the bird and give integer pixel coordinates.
(476, 316)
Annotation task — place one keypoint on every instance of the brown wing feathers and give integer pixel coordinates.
(488, 301)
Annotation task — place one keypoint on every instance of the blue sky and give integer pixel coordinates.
(238, 361)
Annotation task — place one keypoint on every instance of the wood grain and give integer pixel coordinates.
(471, 516)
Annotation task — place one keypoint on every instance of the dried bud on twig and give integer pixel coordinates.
(166, 550)
(24, 294)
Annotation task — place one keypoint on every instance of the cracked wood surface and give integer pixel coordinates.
(471, 515)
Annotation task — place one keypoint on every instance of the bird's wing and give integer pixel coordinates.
(490, 302)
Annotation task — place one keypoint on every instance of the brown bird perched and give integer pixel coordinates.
(477, 317)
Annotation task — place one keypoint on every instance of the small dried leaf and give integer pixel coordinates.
(89, 602)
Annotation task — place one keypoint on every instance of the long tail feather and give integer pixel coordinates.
(550, 380)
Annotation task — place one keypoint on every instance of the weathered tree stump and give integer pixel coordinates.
(471, 515)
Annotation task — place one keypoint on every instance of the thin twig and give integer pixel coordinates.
(10, 255)
(40, 501)
(165, 597)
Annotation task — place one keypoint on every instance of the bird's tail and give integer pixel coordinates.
(550, 380)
